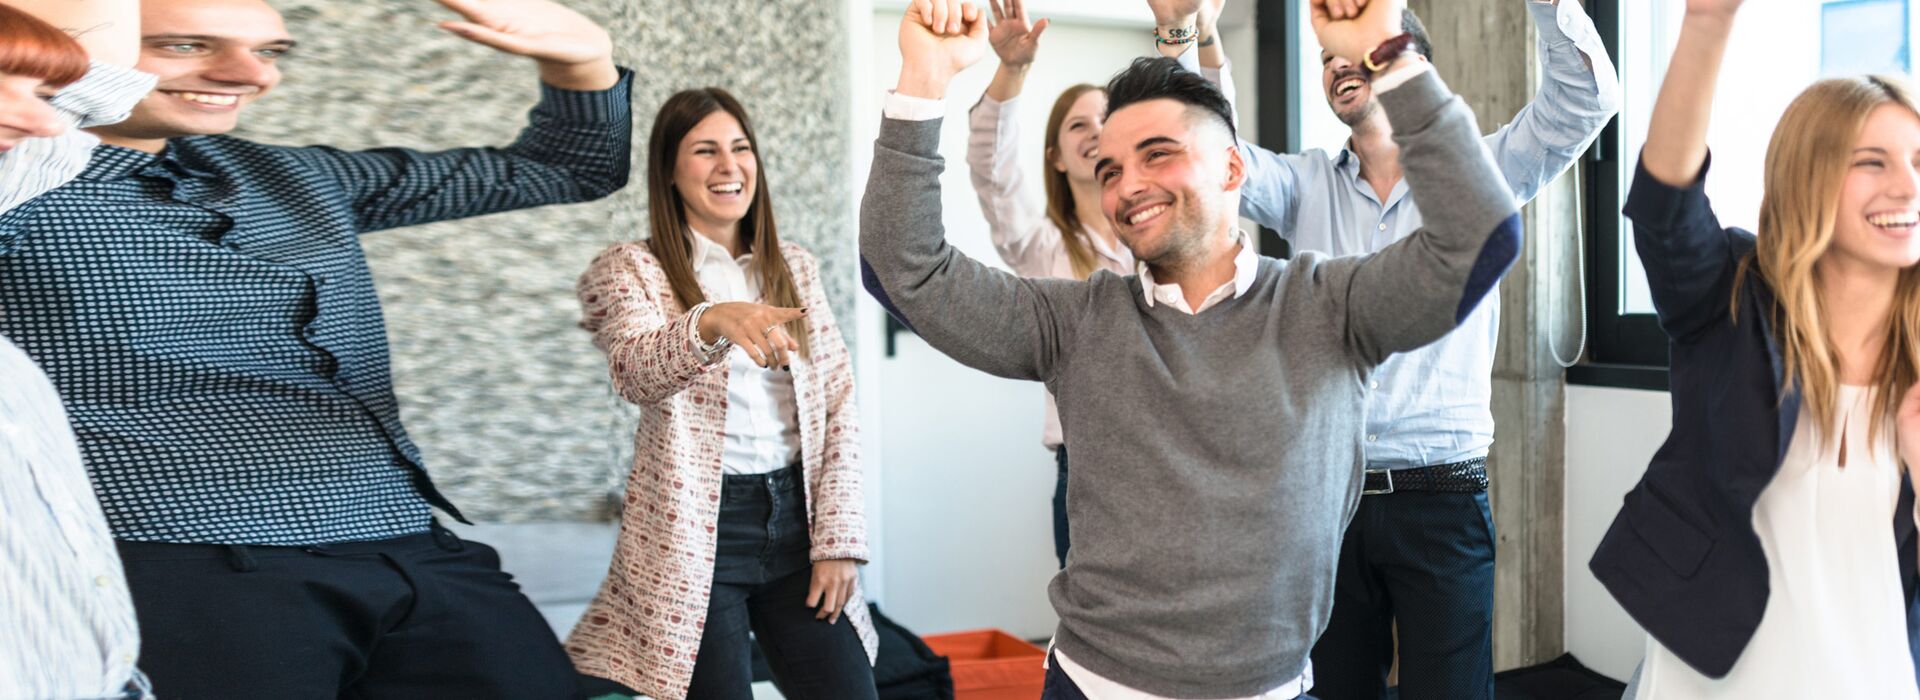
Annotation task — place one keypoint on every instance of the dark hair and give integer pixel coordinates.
(666, 209)
(1159, 77)
(34, 49)
(1060, 209)
(1410, 23)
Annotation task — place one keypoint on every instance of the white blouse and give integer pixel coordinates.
(1835, 623)
(763, 420)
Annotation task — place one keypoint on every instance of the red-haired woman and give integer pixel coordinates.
(48, 90)
(67, 616)
(744, 507)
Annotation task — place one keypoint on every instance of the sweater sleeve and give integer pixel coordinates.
(1413, 292)
(984, 318)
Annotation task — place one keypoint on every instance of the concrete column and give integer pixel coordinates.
(1485, 51)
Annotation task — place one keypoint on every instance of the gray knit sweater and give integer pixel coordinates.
(1216, 457)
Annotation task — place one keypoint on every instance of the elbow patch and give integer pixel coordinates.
(872, 282)
(1496, 255)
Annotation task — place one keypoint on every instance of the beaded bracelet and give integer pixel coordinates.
(1176, 36)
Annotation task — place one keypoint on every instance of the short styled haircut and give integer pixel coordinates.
(1160, 78)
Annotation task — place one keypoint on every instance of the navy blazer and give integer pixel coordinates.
(1682, 556)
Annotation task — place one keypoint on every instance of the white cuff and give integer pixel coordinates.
(912, 109)
(1399, 76)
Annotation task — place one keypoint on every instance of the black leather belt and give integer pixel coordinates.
(1459, 477)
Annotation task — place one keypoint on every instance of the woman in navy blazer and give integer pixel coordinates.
(1762, 331)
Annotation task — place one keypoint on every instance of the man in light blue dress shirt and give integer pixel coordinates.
(1420, 548)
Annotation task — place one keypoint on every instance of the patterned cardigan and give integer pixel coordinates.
(643, 627)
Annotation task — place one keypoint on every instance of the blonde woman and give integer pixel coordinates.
(1067, 236)
(1764, 551)
(744, 508)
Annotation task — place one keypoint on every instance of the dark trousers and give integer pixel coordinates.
(1060, 687)
(762, 571)
(1060, 539)
(423, 616)
(1425, 561)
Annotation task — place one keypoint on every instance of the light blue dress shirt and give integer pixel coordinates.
(1431, 406)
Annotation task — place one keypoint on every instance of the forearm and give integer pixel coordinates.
(982, 317)
(1016, 219)
(1416, 290)
(1677, 134)
(650, 366)
(108, 29)
(584, 77)
(1007, 82)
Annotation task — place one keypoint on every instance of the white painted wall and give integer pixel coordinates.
(1611, 434)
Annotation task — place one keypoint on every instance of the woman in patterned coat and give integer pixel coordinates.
(744, 507)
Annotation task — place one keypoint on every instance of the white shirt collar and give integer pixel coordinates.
(705, 251)
(1246, 266)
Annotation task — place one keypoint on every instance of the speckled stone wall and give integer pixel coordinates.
(506, 396)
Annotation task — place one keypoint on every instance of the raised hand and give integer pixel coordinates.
(1174, 13)
(758, 329)
(574, 52)
(1713, 7)
(1013, 37)
(1351, 28)
(938, 39)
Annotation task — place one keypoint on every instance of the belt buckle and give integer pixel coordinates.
(1364, 491)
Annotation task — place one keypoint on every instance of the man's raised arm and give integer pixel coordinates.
(983, 317)
(1413, 292)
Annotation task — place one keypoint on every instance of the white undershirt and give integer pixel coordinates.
(763, 422)
(1835, 623)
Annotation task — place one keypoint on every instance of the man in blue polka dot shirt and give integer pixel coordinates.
(203, 305)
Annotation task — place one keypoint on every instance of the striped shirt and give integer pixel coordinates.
(105, 95)
(209, 317)
(65, 612)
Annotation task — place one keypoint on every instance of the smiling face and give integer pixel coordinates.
(1169, 179)
(1079, 135)
(1348, 88)
(716, 173)
(1879, 208)
(213, 58)
(24, 112)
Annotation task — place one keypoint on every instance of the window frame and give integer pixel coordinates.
(1623, 349)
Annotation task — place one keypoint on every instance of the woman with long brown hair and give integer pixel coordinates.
(1764, 550)
(1068, 236)
(744, 507)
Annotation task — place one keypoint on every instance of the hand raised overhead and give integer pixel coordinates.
(1014, 38)
(574, 52)
(1351, 28)
(938, 39)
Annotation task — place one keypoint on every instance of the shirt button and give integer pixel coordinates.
(102, 581)
(1383, 226)
(1373, 438)
(1373, 385)
(128, 657)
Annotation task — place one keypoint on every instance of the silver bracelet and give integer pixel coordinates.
(693, 330)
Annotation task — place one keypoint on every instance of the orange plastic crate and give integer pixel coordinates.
(992, 665)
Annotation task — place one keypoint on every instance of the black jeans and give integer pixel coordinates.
(423, 616)
(761, 573)
(1061, 541)
(1424, 560)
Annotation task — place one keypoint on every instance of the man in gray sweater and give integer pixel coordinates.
(1219, 396)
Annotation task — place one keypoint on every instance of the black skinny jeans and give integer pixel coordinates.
(761, 573)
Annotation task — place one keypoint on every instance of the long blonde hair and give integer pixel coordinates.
(1060, 205)
(1807, 163)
